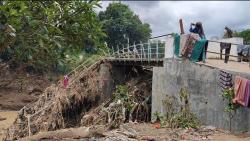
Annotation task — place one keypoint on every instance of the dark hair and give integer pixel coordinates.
(229, 32)
(198, 25)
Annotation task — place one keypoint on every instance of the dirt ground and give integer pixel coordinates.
(17, 89)
(11, 99)
(138, 131)
(226, 136)
(6, 119)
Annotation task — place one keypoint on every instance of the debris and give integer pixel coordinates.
(212, 128)
(79, 105)
(157, 125)
(148, 139)
(128, 134)
(2, 118)
(57, 108)
(74, 133)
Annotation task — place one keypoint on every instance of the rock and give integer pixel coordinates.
(128, 134)
(210, 138)
(208, 128)
(87, 120)
(148, 139)
(27, 100)
(2, 118)
(204, 138)
(32, 89)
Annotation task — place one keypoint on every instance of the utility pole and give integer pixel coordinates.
(181, 26)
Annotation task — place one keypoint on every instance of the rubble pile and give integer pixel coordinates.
(58, 108)
(83, 104)
(128, 132)
(130, 103)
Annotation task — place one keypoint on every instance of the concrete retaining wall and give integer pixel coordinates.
(205, 94)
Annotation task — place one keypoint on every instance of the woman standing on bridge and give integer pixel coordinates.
(202, 44)
(198, 34)
(197, 29)
(226, 46)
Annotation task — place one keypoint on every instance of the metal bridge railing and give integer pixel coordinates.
(150, 51)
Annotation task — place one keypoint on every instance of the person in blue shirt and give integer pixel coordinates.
(197, 29)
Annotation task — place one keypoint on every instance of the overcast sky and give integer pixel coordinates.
(163, 16)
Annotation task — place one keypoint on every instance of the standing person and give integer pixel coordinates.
(197, 29)
(227, 46)
(66, 82)
(228, 33)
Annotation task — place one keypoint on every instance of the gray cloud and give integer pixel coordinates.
(163, 16)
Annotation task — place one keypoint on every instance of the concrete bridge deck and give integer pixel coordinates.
(136, 61)
(231, 65)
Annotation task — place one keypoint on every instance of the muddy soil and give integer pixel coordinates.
(138, 131)
(12, 100)
(6, 119)
(18, 88)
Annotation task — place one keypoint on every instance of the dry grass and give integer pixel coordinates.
(59, 108)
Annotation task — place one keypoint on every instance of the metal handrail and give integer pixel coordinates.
(223, 42)
(142, 51)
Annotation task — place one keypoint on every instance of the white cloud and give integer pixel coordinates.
(163, 16)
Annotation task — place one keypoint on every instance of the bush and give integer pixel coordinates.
(181, 119)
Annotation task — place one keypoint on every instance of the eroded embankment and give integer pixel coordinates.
(58, 108)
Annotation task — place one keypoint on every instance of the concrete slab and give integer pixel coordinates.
(231, 65)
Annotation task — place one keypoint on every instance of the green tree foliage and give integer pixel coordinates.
(245, 34)
(49, 32)
(120, 22)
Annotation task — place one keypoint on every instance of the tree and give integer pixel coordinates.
(245, 34)
(48, 31)
(120, 23)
